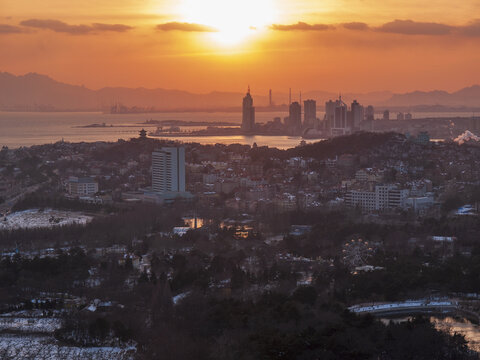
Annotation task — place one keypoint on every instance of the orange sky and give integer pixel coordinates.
(205, 45)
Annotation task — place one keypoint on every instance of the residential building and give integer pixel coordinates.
(386, 115)
(358, 114)
(85, 186)
(310, 113)
(382, 198)
(295, 116)
(336, 117)
(168, 170)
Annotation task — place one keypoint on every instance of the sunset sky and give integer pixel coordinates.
(200, 46)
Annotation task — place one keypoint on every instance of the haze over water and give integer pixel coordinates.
(36, 128)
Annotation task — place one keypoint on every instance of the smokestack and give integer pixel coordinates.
(270, 97)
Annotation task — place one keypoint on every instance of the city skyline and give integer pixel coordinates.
(239, 179)
(396, 46)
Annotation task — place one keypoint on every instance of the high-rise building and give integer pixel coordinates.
(370, 113)
(386, 115)
(358, 114)
(248, 113)
(400, 116)
(336, 117)
(310, 113)
(295, 116)
(475, 125)
(168, 170)
(329, 114)
(340, 115)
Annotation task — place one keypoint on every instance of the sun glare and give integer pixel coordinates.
(235, 20)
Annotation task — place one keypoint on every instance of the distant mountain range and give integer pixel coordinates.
(40, 92)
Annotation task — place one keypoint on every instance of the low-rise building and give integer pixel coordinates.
(85, 186)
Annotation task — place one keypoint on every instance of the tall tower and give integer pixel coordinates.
(336, 117)
(168, 170)
(386, 115)
(310, 113)
(295, 117)
(358, 114)
(248, 113)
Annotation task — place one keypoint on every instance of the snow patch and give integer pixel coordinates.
(36, 218)
(467, 137)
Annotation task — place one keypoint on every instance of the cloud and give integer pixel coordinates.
(402, 27)
(410, 27)
(301, 26)
(356, 26)
(61, 27)
(188, 27)
(111, 27)
(471, 29)
(10, 29)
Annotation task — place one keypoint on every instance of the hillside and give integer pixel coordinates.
(35, 92)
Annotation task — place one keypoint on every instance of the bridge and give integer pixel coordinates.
(407, 307)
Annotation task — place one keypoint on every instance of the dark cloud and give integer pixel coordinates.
(301, 26)
(356, 26)
(188, 27)
(10, 29)
(111, 27)
(61, 27)
(471, 29)
(410, 27)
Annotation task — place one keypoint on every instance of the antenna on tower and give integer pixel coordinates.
(300, 98)
(248, 90)
(289, 96)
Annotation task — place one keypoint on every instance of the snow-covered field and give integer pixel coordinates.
(35, 218)
(45, 347)
(25, 336)
(44, 325)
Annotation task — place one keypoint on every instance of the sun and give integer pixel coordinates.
(234, 20)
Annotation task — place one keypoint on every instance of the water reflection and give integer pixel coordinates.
(452, 325)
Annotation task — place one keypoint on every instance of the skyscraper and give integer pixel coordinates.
(295, 116)
(386, 115)
(248, 113)
(168, 170)
(358, 114)
(370, 113)
(310, 113)
(367, 125)
(340, 114)
(329, 114)
(336, 117)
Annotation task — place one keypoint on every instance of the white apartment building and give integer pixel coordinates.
(85, 186)
(382, 198)
(168, 170)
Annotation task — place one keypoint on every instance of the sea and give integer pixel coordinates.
(19, 129)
